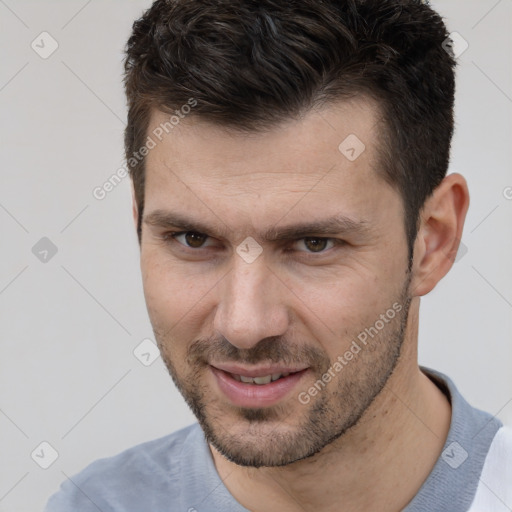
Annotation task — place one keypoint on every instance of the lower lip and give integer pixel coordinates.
(242, 394)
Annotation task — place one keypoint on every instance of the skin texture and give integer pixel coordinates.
(371, 436)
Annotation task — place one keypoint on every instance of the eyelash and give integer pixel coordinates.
(174, 234)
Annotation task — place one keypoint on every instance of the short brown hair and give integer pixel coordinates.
(251, 64)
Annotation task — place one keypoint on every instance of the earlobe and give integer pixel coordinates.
(439, 234)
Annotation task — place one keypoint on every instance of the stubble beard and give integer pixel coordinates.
(283, 434)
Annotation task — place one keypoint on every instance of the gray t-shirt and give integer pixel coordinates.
(176, 473)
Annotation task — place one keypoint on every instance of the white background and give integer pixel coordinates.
(68, 375)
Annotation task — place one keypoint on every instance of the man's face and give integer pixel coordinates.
(225, 313)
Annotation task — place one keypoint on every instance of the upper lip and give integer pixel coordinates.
(257, 371)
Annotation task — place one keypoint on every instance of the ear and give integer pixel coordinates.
(439, 233)
(135, 209)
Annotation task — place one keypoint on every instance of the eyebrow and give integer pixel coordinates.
(338, 225)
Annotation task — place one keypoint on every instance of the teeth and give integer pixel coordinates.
(263, 380)
(267, 379)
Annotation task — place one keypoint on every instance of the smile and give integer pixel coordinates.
(256, 387)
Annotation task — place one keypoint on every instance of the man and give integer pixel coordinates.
(288, 161)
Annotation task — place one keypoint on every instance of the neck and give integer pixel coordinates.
(379, 464)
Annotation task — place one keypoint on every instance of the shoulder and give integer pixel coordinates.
(494, 493)
(122, 482)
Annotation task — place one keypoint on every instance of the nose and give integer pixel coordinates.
(251, 305)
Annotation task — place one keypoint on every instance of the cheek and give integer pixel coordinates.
(336, 312)
(355, 307)
(175, 299)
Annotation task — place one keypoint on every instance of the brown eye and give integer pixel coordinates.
(190, 239)
(316, 244)
(194, 239)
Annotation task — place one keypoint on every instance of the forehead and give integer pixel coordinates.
(325, 162)
(320, 129)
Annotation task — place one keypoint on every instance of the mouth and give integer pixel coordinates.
(256, 387)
